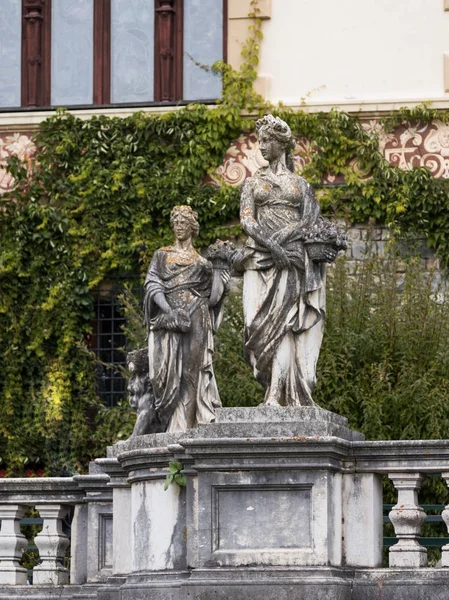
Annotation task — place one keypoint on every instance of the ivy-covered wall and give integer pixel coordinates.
(95, 201)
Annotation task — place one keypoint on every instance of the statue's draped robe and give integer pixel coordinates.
(180, 364)
(284, 309)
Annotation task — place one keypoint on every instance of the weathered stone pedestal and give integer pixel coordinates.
(273, 509)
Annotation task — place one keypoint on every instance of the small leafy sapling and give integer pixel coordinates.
(175, 475)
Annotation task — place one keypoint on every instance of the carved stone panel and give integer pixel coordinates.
(243, 517)
(99, 551)
(105, 541)
(266, 518)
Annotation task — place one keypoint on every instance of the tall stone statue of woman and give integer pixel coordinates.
(284, 280)
(183, 305)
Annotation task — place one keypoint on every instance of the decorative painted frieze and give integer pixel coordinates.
(15, 144)
(416, 145)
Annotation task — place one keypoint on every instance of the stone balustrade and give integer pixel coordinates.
(87, 499)
(284, 502)
(407, 463)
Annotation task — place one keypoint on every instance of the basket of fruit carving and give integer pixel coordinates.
(221, 255)
(323, 241)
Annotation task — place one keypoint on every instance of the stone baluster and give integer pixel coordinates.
(445, 515)
(52, 544)
(12, 545)
(407, 518)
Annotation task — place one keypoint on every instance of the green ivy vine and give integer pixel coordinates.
(96, 202)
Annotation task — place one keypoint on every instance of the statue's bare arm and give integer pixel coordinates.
(143, 422)
(220, 286)
(248, 215)
(161, 301)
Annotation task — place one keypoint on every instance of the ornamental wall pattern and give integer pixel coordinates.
(417, 145)
(14, 144)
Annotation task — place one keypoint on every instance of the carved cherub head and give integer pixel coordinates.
(138, 381)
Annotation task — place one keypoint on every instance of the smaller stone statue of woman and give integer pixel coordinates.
(183, 309)
(288, 245)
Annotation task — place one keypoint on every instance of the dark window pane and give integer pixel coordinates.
(105, 312)
(119, 385)
(118, 356)
(118, 325)
(109, 342)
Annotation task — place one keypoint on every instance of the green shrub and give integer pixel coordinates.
(235, 379)
(384, 362)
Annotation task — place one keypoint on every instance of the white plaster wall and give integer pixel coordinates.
(355, 51)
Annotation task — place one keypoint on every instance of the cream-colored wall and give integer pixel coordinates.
(238, 23)
(355, 52)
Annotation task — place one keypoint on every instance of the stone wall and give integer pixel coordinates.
(364, 239)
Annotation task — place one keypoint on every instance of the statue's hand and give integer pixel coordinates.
(330, 254)
(175, 320)
(182, 320)
(279, 255)
(169, 321)
(226, 278)
(321, 253)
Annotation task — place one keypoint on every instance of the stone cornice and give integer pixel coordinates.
(369, 108)
(29, 120)
(42, 490)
